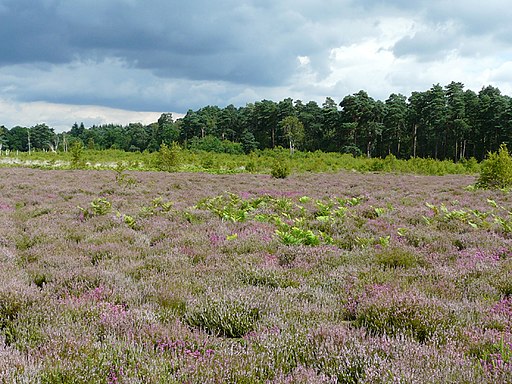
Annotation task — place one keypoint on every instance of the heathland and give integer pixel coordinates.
(116, 276)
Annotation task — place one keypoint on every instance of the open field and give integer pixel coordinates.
(152, 277)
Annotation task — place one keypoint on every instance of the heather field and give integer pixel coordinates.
(154, 277)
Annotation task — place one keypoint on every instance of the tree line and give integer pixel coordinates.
(448, 122)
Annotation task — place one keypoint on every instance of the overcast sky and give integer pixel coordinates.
(101, 61)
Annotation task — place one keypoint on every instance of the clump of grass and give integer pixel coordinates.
(266, 278)
(487, 351)
(41, 278)
(24, 241)
(10, 306)
(501, 278)
(15, 300)
(503, 283)
(224, 317)
(395, 257)
(385, 312)
(170, 306)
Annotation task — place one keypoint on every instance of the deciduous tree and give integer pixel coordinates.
(293, 131)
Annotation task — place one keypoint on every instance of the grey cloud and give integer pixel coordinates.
(250, 43)
(177, 55)
(390, 5)
(427, 45)
(29, 31)
(110, 83)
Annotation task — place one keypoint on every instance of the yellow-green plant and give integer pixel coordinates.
(280, 169)
(169, 159)
(496, 170)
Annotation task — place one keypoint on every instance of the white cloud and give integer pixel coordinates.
(365, 64)
(62, 116)
(370, 64)
(304, 61)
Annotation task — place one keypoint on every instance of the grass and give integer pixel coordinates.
(195, 277)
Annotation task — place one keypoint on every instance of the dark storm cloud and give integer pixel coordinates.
(30, 31)
(250, 43)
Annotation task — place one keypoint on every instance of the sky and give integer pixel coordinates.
(122, 61)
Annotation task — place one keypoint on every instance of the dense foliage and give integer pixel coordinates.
(496, 170)
(441, 123)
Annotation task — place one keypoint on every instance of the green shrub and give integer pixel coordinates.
(250, 166)
(471, 164)
(207, 162)
(169, 159)
(211, 143)
(77, 150)
(122, 177)
(280, 169)
(496, 170)
(208, 143)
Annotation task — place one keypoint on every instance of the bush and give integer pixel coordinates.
(496, 170)
(77, 155)
(169, 158)
(280, 169)
(250, 166)
(471, 165)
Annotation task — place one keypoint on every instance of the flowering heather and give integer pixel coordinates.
(316, 278)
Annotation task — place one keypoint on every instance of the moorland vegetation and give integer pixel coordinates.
(117, 276)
